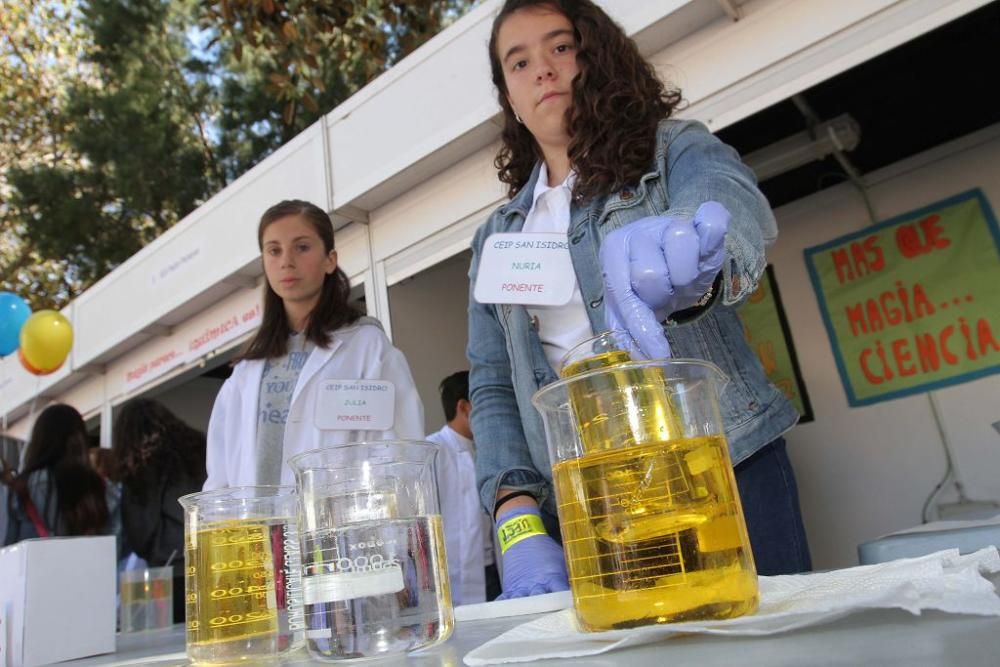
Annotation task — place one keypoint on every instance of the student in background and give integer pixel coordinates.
(159, 458)
(277, 403)
(57, 493)
(468, 530)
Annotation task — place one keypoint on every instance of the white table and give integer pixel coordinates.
(883, 637)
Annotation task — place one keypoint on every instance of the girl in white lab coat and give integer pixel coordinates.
(317, 372)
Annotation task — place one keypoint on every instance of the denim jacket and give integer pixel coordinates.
(508, 364)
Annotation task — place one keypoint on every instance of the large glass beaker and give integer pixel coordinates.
(243, 584)
(648, 505)
(375, 575)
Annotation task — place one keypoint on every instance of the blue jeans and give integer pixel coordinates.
(770, 500)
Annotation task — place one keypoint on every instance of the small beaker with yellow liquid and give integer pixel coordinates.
(648, 505)
(243, 584)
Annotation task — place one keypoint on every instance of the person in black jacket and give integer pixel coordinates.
(159, 459)
(56, 494)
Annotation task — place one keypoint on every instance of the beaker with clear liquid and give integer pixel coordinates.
(243, 583)
(649, 510)
(375, 575)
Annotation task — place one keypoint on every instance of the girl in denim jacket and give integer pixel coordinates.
(666, 231)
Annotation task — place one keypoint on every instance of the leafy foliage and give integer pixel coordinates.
(125, 115)
(41, 54)
(287, 62)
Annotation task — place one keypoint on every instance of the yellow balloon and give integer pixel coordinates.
(46, 339)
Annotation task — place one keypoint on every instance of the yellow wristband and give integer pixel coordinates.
(512, 531)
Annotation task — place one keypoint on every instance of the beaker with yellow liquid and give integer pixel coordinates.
(648, 506)
(243, 585)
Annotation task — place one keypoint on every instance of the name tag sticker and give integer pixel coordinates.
(529, 269)
(348, 405)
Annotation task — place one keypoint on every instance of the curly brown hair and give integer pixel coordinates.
(618, 101)
(147, 435)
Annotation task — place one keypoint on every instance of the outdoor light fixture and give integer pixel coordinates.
(840, 134)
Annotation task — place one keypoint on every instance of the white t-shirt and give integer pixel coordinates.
(561, 328)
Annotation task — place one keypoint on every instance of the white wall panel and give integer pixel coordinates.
(20, 429)
(436, 248)
(352, 251)
(87, 396)
(453, 195)
(210, 330)
(210, 244)
(16, 384)
(437, 111)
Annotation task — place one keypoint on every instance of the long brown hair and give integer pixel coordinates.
(58, 445)
(332, 311)
(618, 101)
(83, 504)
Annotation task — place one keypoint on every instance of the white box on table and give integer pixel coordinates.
(57, 599)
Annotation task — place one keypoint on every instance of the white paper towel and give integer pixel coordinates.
(943, 581)
(535, 604)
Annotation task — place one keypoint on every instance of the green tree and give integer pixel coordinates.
(42, 52)
(145, 159)
(287, 62)
(125, 115)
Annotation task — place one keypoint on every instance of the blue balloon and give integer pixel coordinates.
(14, 311)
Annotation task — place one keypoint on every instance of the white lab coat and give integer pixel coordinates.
(360, 351)
(467, 528)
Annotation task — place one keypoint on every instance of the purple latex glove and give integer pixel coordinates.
(657, 266)
(533, 566)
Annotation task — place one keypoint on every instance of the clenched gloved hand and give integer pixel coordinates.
(657, 266)
(534, 564)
